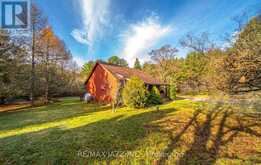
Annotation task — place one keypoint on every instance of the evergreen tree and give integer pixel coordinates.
(134, 93)
(137, 64)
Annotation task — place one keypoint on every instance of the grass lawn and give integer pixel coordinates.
(181, 132)
(202, 96)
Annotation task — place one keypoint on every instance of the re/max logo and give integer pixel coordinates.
(15, 14)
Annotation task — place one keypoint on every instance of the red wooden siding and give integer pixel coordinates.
(102, 84)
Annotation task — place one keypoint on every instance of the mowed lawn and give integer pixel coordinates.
(181, 132)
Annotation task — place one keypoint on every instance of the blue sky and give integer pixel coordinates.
(98, 29)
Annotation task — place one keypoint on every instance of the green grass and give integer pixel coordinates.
(182, 132)
(199, 96)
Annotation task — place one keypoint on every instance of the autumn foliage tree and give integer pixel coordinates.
(243, 64)
(50, 46)
(36, 67)
(38, 22)
(164, 57)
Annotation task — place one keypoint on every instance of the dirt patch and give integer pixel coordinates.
(14, 107)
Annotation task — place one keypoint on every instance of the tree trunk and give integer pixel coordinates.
(33, 67)
(47, 75)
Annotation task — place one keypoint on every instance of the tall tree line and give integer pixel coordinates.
(39, 66)
(208, 68)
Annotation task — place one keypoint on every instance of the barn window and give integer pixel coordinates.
(120, 76)
(103, 87)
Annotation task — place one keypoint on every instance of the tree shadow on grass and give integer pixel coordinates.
(62, 145)
(199, 153)
(219, 117)
(174, 140)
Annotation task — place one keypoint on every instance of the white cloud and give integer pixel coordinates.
(80, 36)
(140, 37)
(95, 15)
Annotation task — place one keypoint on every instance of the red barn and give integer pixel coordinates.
(105, 80)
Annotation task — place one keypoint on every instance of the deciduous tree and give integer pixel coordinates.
(243, 64)
(115, 60)
(164, 58)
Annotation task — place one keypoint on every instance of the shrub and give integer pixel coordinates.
(134, 93)
(173, 92)
(154, 97)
